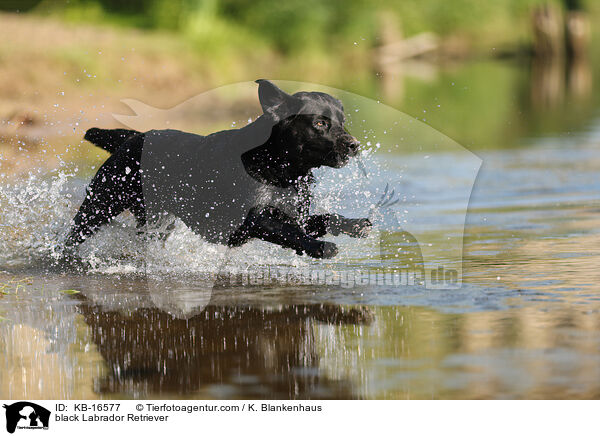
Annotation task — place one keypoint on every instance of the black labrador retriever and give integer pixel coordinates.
(230, 186)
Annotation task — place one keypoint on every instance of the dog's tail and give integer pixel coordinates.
(109, 139)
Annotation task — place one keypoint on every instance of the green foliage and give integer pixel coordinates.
(300, 25)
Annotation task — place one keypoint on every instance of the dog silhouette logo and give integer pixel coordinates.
(26, 415)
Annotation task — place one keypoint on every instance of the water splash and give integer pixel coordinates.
(37, 210)
(35, 214)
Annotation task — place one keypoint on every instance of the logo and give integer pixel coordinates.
(26, 415)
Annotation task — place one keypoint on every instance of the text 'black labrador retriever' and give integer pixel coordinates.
(230, 186)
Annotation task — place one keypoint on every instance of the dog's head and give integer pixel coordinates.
(308, 127)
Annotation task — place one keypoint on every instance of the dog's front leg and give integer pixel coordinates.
(319, 225)
(272, 225)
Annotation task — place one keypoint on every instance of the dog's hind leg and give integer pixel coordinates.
(139, 212)
(101, 205)
(271, 225)
(115, 187)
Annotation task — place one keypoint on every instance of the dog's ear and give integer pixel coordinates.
(275, 103)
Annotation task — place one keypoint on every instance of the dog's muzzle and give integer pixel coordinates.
(346, 148)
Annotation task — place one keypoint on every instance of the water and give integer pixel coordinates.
(151, 321)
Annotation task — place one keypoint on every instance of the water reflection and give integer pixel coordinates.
(111, 342)
(226, 351)
(547, 82)
(554, 79)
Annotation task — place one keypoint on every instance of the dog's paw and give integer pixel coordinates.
(358, 228)
(322, 250)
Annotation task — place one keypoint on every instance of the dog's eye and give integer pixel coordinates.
(321, 124)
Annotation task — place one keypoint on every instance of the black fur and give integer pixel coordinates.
(109, 140)
(304, 131)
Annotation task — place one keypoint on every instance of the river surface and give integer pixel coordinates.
(184, 319)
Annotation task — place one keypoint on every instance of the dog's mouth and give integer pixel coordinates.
(343, 153)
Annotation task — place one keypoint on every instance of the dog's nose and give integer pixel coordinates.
(353, 144)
